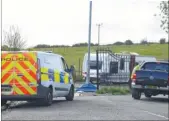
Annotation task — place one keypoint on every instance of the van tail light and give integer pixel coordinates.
(38, 73)
(84, 73)
(134, 77)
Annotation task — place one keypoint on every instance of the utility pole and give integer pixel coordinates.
(89, 42)
(88, 86)
(99, 25)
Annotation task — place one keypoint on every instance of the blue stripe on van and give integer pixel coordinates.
(61, 77)
(51, 74)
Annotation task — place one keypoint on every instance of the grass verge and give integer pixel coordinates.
(74, 55)
(114, 90)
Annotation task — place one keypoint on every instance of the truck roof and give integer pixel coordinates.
(156, 62)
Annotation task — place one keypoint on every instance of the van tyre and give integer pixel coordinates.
(49, 98)
(136, 94)
(70, 96)
(3, 102)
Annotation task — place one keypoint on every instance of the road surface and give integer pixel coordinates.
(93, 108)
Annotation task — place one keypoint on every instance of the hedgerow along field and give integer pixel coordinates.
(73, 54)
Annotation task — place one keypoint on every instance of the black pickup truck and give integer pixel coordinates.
(151, 79)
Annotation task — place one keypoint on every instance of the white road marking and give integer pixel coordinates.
(158, 115)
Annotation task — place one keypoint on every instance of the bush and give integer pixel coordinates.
(144, 42)
(114, 90)
(118, 43)
(162, 41)
(128, 42)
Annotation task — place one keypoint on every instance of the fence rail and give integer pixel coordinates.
(113, 68)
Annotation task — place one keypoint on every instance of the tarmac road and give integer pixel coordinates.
(93, 108)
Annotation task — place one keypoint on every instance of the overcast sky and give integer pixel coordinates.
(66, 21)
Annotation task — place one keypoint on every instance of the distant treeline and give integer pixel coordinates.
(127, 42)
(54, 46)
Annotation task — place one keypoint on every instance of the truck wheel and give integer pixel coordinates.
(147, 95)
(49, 98)
(3, 102)
(136, 94)
(70, 96)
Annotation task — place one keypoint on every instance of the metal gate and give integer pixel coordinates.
(113, 68)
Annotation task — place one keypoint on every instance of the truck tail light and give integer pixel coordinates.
(134, 77)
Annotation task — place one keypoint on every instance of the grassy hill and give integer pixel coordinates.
(73, 54)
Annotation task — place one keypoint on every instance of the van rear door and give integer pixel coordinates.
(19, 73)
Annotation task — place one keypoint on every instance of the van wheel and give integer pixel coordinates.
(70, 96)
(136, 94)
(3, 102)
(49, 98)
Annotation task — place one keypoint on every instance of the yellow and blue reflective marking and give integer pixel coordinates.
(44, 74)
(56, 76)
(51, 74)
(62, 77)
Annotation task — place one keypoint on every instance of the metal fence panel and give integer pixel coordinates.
(115, 68)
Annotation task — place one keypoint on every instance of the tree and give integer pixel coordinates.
(162, 41)
(118, 43)
(128, 42)
(13, 39)
(4, 48)
(144, 42)
(164, 15)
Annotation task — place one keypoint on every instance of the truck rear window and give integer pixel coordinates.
(157, 66)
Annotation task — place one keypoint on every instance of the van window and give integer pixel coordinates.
(65, 66)
(52, 62)
(93, 64)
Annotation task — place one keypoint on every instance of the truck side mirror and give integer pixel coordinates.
(122, 64)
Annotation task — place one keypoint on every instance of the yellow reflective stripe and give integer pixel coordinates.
(44, 70)
(57, 77)
(28, 88)
(66, 78)
(33, 55)
(27, 75)
(44, 77)
(28, 63)
(9, 79)
(18, 91)
(9, 67)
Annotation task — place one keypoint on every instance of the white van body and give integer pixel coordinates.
(93, 68)
(106, 59)
(55, 62)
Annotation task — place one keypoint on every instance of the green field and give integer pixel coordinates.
(73, 54)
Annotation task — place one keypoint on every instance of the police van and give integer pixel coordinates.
(35, 76)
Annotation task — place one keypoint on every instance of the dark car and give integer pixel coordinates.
(151, 79)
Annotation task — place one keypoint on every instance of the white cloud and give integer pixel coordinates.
(66, 21)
